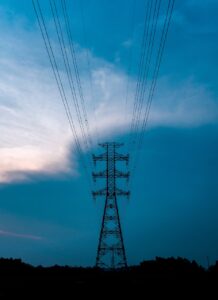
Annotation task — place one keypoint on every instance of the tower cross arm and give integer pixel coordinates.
(100, 157)
(104, 174)
(102, 192)
(120, 192)
(121, 157)
(120, 174)
(112, 144)
(101, 174)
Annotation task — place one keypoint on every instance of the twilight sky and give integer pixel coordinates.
(47, 215)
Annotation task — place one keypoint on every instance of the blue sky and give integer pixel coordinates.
(47, 215)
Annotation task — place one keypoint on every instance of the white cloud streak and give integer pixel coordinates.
(35, 134)
(20, 235)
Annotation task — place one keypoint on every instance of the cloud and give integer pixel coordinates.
(51, 233)
(43, 240)
(128, 43)
(35, 134)
(190, 17)
(20, 235)
(187, 104)
(32, 122)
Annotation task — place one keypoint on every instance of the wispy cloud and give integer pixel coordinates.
(128, 43)
(48, 232)
(35, 135)
(186, 104)
(20, 235)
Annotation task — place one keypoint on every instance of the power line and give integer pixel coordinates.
(147, 56)
(67, 67)
(138, 125)
(141, 63)
(147, 63)
(89, 70)
(157, 67)
(155, 74)
(73, 55)
(132, 30)
(49, 50)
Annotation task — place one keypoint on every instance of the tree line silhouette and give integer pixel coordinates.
(17, 277)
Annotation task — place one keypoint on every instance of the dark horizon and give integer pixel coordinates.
(18, 261)
(159, 276)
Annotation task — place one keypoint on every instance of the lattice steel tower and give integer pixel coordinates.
(111, 251)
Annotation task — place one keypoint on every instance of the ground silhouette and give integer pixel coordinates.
(154, 276)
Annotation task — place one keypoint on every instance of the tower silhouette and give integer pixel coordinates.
(111, 251)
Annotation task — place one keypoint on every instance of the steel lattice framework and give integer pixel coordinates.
(111, 251)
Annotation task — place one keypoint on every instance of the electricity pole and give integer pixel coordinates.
(111, 251)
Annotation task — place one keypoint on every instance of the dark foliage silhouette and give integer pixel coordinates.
(19, 278)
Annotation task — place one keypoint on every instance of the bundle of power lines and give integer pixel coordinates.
(157, 19)
(156, 25)
(67, 50)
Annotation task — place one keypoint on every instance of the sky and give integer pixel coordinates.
(47, 214)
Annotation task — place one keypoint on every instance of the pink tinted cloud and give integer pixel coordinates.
(20, 235)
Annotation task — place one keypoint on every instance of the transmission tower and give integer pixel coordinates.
(111, 251)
